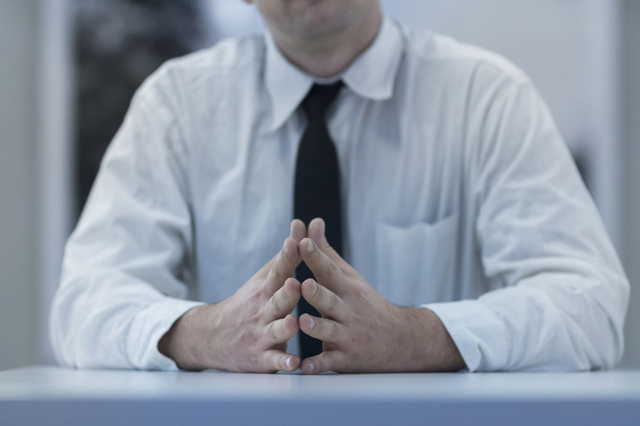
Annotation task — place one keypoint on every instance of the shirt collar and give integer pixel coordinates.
(371, 75)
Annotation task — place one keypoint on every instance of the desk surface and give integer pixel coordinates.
(65, 396)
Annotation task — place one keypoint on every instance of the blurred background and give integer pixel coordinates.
(69, 69)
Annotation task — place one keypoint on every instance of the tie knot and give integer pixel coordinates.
(319, 98)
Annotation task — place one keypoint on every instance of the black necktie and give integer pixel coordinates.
(317, 189)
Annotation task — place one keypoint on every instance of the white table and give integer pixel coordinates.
(58, 396)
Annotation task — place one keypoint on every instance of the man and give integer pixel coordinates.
(467, 237)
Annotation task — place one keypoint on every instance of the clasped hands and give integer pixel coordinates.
(360, 330)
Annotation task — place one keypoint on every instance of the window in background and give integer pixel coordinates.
(118, 44)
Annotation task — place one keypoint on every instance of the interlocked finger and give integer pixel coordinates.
(283, 267)
(324, 300)
(324, 269)
(280, 331)
(283, 301)
(274, 360)
(297, 233)
(317, 234)
(323, 329)
(326, 361)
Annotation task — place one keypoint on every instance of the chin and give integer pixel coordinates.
(319, 18)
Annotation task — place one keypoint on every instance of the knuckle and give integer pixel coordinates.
(268, 333)
(333, 332)
(274, 331)
(250, 339)
(266, 363)
(275, 303)
(327, 362)
(256, 317)
(337, 362)
(275, 274)
(357, 292)
(283, 329)
(340, 367)
(277, 363)
(332, 271)
(255, 295)
(332, 304)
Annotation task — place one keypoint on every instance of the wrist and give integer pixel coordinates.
(429, 345)
(180, 343)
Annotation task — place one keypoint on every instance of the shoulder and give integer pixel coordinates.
(227, 60)
(453, 57)
(227, 55)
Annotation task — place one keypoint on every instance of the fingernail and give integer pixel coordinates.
(315, 288)
(285, 249)
(310, 246)
(288, 362)
(311, 367)
(312, 323)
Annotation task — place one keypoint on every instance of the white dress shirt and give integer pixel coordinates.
(458, 194)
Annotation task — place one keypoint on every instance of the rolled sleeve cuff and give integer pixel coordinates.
(479, 334)
(148, 327)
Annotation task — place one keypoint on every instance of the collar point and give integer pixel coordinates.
(382, 94)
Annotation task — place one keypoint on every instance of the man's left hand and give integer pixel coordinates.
(363, 332)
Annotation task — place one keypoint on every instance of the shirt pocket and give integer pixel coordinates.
(415, 264)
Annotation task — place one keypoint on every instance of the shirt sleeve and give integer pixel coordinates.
(126, 265)
(558, 294)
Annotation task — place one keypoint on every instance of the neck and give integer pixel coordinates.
(331, 55)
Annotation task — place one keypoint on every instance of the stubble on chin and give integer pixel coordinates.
(318, 20)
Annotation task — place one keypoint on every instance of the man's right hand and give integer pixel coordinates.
(249, 331)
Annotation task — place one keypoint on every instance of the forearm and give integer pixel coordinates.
(563, 322)
(118, 327)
